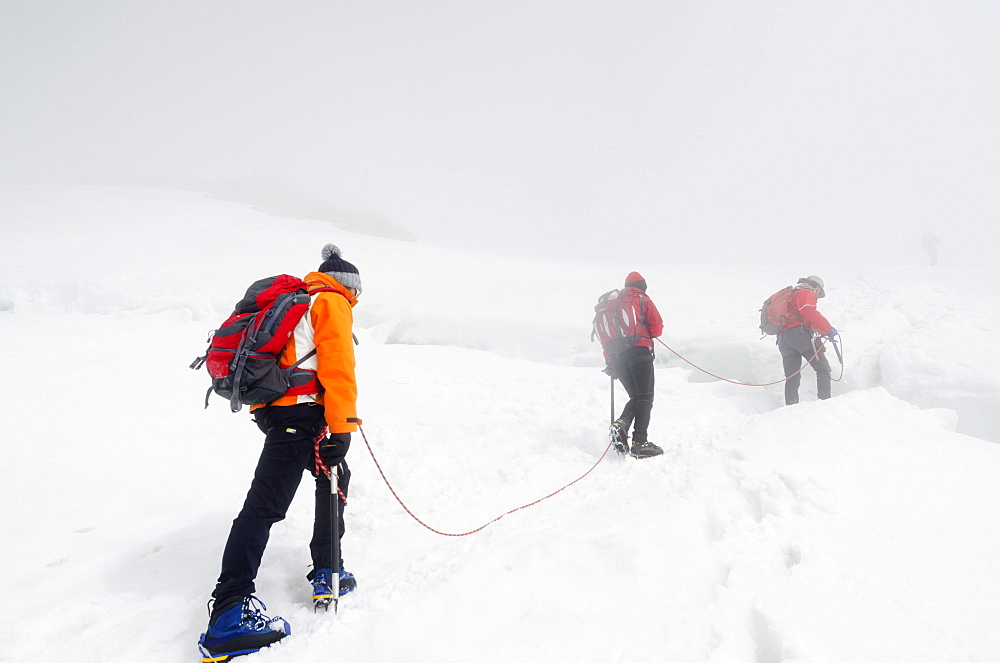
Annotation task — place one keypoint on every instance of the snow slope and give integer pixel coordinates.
(863, 528)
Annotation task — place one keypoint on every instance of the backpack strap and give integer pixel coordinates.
(642, 318)
(238, 363)
(302, 359)
(324, 288)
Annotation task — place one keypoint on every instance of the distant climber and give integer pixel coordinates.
(799, 339)
(930, 243)
(626, 323)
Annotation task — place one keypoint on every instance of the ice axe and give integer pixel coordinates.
(335, 533)
(836, 348)
(617, 439)
(612, 399)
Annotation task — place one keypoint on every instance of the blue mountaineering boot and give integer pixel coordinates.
(645, 449)
(240, 628)
(347, 582)
(322, 584)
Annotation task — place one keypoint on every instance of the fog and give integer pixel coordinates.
(724, 132)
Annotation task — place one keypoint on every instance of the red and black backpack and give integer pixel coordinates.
(243, 353)
(619, 319)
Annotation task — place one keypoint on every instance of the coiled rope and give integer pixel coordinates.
(487, 524)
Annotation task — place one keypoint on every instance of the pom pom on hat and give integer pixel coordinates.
(334, 265)
(329, 251)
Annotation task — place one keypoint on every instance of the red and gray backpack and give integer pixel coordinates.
(618, 320)
(774, 313)
(243, 353)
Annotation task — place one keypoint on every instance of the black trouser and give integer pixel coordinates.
(634, 368)
(796, 344)
(290, 432)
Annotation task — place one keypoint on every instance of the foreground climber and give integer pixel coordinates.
(294, 425)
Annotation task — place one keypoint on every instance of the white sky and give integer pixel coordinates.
(725, 132)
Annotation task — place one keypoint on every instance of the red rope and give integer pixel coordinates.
(484, 526)
(319, 461)
(766, 384)
(321, 467)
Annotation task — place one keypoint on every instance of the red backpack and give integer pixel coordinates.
(242, 355)
(774, 313)
(618, 320)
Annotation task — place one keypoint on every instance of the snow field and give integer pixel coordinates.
(862, 528)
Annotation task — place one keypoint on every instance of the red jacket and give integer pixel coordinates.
(802, 311)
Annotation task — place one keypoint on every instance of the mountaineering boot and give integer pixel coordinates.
(645, 450)
(347, 582)
(322, 584)
(619, 437)
(240, 628)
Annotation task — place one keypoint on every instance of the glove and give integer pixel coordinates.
(334, 448)
(608, 370)
(832, 334)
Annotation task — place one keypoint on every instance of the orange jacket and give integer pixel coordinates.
(328, 329)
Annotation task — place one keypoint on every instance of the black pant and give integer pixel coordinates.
(796, 344)
(288, 450)
(634, 368)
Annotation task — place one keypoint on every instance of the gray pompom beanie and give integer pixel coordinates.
(345, 273)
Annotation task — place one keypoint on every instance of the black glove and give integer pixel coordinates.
(334, 448)
(608, 370)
